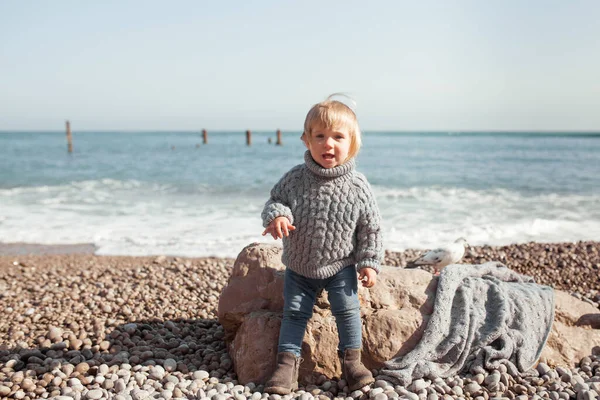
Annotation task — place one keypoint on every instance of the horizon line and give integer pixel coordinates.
(199, 131)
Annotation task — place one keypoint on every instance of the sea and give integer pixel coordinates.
(150, 193)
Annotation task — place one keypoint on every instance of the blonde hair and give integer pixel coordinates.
(333, 114)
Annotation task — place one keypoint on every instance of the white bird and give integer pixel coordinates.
(440, 257)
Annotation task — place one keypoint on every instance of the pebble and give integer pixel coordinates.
(55, 334)
(458, 390)
(473, 389)
(139, 394)
(418, 385)
(161, 339)
(493, 378)
(19, 394)
(170, 365)
(203, 375)
(120, 386)
(4, 390)
(28, 385)
(258, 396)
(542, 368)
(157, 372)
(94, 394)
(411, 396)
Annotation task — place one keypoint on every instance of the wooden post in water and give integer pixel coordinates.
(278, 143)
(204, 136)
(69, 138)
(248, 137)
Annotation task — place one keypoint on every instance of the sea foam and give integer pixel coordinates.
(130, 217)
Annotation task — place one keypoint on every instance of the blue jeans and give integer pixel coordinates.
(299, 295)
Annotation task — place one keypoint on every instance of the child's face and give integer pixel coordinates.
(329, 147)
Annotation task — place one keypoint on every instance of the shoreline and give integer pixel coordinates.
(22, 248)
(33, 248)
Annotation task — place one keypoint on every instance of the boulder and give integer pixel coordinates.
(394, 312)
(568, 342)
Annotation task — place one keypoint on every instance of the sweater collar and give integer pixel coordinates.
(334, 172)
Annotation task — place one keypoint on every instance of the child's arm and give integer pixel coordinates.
(369, 251)
(276, 215)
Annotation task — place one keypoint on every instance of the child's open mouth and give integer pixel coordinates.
(328, 156)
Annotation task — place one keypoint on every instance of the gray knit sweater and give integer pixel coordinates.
(336, 218)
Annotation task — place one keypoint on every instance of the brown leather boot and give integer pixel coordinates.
(353, 371)
(285, 377)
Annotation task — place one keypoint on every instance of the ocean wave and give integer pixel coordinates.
(441, 193)
(138, 218)
(109, 188)
(87, 186)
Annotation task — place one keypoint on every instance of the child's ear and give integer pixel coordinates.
(304, 138)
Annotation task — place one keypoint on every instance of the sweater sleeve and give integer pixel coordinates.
(369, 251)
(277, 205)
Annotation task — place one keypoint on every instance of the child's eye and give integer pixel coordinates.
(319, 136)
(339, 137)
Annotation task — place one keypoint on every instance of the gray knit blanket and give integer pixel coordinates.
(484, 316)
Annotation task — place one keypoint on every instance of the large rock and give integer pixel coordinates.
(569, 342)
(394, 313)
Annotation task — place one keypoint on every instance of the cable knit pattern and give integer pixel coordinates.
(336, 218)
(484, 316)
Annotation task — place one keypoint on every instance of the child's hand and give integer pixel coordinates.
(368, 277)
(279, 227)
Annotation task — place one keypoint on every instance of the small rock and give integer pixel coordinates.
(589, 395)
(258, 396)
(543, 368)
(418, 385)
(170, 365)
(458, 390)
(473, 389)
(55, 334)
(130, 328)
(28, 385)
(94, 394)
(160, 260)
(493, 378)
(139, 394)
(157, 372)
(201, 374)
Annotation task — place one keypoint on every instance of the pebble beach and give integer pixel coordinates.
(81, 326)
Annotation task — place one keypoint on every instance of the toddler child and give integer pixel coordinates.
(326, 215)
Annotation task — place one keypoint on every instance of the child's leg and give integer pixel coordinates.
(299, 294)
(342, 290)
(299, 297)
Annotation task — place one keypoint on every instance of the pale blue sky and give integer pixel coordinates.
(427, 65)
